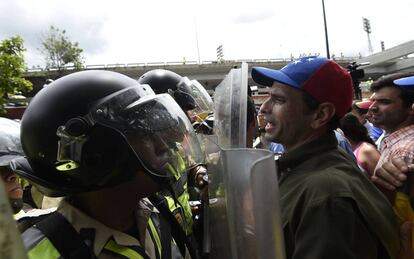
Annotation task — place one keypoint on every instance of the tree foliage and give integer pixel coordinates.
(12, 68)
(59, 51)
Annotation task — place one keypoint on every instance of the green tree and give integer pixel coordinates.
(60, 51)
(12, 68)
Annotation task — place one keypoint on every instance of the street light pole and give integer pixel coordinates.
(326, 30)
(196, 31)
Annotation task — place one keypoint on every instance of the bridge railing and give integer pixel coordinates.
(176, 63)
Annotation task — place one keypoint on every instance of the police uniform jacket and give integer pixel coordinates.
(104, 241)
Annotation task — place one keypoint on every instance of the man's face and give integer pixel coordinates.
(288, 119)
(152, 150)
(13, 188)
(387, 111)
(368, 116)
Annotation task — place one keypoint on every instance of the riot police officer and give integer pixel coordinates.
(197, 104)
(104, 142)
(10, 148)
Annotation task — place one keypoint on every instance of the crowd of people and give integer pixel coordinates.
(120, 159)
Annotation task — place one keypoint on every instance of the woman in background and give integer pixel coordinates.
(363, 147)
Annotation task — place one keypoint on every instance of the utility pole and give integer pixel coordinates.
(196, 31)
(367, 28)
(196, 36)
(326, 31)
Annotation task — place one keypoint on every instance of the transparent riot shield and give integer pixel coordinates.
(243, 214)
(244, 210)
(230, 100)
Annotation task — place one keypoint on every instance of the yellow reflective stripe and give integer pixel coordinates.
(179, 168)
(171, 204)
(44, 249)
(183, 199)
(19, 215)
(181, 164)
(154, 232)
(122, 250)
(173, 171)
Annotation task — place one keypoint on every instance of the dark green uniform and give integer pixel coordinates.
(330, 209)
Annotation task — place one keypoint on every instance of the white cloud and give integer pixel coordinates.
(130, 31)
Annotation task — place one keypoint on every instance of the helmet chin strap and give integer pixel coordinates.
(16, 204)
(164, 183)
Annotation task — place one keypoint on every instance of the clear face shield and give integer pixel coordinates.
(205, 105)
(202, 103)
(154, 126)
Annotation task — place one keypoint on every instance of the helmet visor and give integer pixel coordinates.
(204, 104)
(106, 109)
(156, 129)
(202, 98)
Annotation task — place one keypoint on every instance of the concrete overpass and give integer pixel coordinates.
(211, 73)
(208, 73)
(395, 59)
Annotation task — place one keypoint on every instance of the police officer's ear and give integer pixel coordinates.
(322, 115)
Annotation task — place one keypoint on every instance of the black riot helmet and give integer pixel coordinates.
(94, 129)
(189, 94)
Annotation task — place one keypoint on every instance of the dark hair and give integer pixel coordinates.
(354, 130)
(312, 104)
(357, 109)
(407, 95)
(251, 111)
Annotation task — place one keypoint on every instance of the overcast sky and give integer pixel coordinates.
(132, 31)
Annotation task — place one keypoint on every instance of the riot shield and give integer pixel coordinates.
(230, 100)
(244, 205)
(244, 214)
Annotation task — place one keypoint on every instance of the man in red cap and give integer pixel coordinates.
(329, 209)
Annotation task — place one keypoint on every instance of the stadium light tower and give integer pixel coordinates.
(220, 53)
(326, 30)
(367, 28)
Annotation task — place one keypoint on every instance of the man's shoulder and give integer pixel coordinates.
(402, 148)
(401, 137)
(324, 175)
(406, 138)
(338, 184)
(334, 178)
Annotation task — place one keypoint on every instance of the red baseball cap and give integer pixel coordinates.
(322, 78)
(364, 104)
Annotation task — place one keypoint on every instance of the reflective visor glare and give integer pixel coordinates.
(160, 135)
(199, 96)
(202, 98)
(109, 108)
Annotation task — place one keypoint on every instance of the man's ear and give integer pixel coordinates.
(322, 115)
(411, 111)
